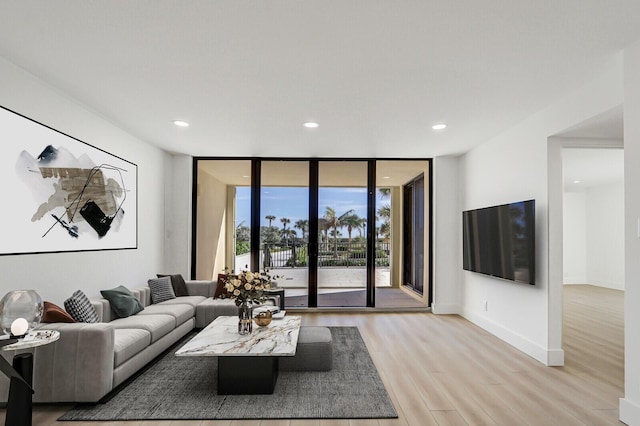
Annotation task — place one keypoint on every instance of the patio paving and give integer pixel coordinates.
(328, 277)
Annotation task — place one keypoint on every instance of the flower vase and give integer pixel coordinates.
(245, 320)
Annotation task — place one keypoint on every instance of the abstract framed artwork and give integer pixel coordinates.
(62, 194)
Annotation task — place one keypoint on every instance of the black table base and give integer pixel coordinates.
(19, 404)
(241, 375)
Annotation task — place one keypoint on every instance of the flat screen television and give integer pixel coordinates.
(500, 241)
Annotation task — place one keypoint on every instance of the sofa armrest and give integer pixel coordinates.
(78, 367)
(204, 288)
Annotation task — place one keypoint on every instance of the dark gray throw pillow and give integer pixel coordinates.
(80, 308)
(178, 284)
(122, 301)
(161, 289)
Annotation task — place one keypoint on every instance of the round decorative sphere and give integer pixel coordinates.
(263, 318)
(23, 305)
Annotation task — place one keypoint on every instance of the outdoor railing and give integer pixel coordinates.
(330, 253)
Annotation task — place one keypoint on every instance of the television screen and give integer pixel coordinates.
(500, 241)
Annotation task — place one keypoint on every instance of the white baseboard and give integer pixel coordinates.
(608, 284)
(555, 357)
(578, 279)
(549, 357)
(629, 412)
(445, 308)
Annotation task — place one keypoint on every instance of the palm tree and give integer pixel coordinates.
(384, 193)
(363, 226)
(285, 221)
(385, 214)
(291, 233)
(323, 228)
(334, 222)
(270, 218)
(352, 221)
(302, 225)
(385, 230)
(385, 211)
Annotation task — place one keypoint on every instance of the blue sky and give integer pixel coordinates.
(293, 203)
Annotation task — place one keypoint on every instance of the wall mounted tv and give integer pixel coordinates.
(500, 241)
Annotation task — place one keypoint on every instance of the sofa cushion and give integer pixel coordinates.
(122, 301)
(158, 325)
(178, 284)
(161, 289)
(185, 300)
(211, 309)
(128, 342)
(54, 313)
(80, 308)
(181, 312)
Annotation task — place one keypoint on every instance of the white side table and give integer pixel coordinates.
(19, 404)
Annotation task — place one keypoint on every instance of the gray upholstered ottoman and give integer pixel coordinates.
(313, 353)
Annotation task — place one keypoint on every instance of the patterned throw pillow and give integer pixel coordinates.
(178, 284)
(161, 289)
(80, 308)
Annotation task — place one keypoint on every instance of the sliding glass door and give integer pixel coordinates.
(337, 233)
(342, 241)
(414, 233)
(284, 226)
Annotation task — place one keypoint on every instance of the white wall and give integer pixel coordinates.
(630, 404)
(574, 212)
(593, 227)
(56, 275)
(447, 236)
(178, 182)
(514, 166)
(605, 235)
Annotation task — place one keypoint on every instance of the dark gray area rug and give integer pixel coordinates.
(184, 388)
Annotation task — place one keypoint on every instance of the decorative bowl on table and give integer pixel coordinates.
(263, 318)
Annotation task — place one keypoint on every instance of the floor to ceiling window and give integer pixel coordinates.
(332, 230)
(284, 226)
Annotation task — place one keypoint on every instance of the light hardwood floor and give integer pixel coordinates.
(443, 370)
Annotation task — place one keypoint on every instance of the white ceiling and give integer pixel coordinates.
(375, 74)
(608, 125)
(389, 173)
(587, 167)
(591, 167)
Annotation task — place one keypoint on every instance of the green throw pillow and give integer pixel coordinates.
(122, 301)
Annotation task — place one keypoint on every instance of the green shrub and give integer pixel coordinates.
(242, 247)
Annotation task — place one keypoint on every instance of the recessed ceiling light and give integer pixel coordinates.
(246, 176)
(180, 123)
(386, 177)
(439, 126)
(310, 124)
(576, 181)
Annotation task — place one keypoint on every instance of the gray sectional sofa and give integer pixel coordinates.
(89, 360)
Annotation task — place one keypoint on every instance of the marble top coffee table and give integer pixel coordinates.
(247, 364)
